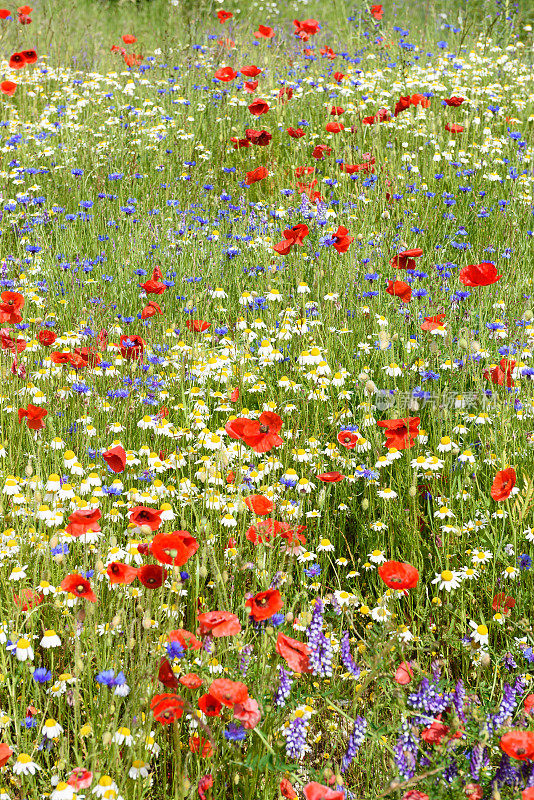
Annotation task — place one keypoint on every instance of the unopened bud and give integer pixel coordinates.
(528, 315)
(106, 739)
(365, 504)
(412, 491)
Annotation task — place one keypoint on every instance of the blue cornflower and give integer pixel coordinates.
(525, 561)
(175, 650)
(106, 677)
(42, 675)
(234, 733)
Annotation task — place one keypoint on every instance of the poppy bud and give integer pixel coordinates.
(365, 504)
(106, 739)
(142, 549)
(528, 315)
(412, 491)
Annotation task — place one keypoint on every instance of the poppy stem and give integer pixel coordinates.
(178, 789)
(264, 740)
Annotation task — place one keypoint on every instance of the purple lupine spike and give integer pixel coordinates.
(244, 661)
(476, 760)
(405, 751)
(284, 688)
(321, 653)
(296, 746)
(505, 773)
(458, 699)
(346, 657)
(355, 742)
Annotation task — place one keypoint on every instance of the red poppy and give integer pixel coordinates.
(191, 680)
(366, 166)
(285, 94)
(432, 323)
(59, 357)
(502, 374)
(435, 733)
(251, 86)
(5, 754)
(83, 520)
(197, 744)
(238, 143)
(151, 310)
(30, 56)
(400, 433)
(258, 107)
(129, 39)
(17, 61)
(348, 439)
(256, 175)
(141, 515)
(330, 477)
(295, 133)
(528, 703)
(419, 99)
(264, 604)
(210, 705)
(528, 794)
(454, 101)
(453, 127)
(261, 138)
(406, 259)
(166, 676)
(115, 458)
(398, 575)
(205, 783)
(320, 151)
(286, 790)
(259, 504)
(403, 674)
(185, 638)
(264, 531)
(219, 624)
(10, 307)
(264, 32)
(225, 74)
(518, 744)
(16, 345)
(401, 105)
(248, 713)
(133, 60)
(167, 708)
(294, 235)
(152, 575)
(198, 325)
(400, 289)
(34, 416)
(28, 599)
(4, 13)
(503, 483)
(334, 127)
(483, 274)
(76, 584)
(153, 287)
(121, 573)
(295, 654)
(228, 692)
(261, 435)
(376, 12)
(224, 16)
(502, 602)
(316, 791)
(173, 548)
(415, 794)
(8, 87)
(306, 28)
(132, 347)
(251, 71)
(234, 397)
(342, 240)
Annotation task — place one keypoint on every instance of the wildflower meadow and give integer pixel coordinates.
(267, 400)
